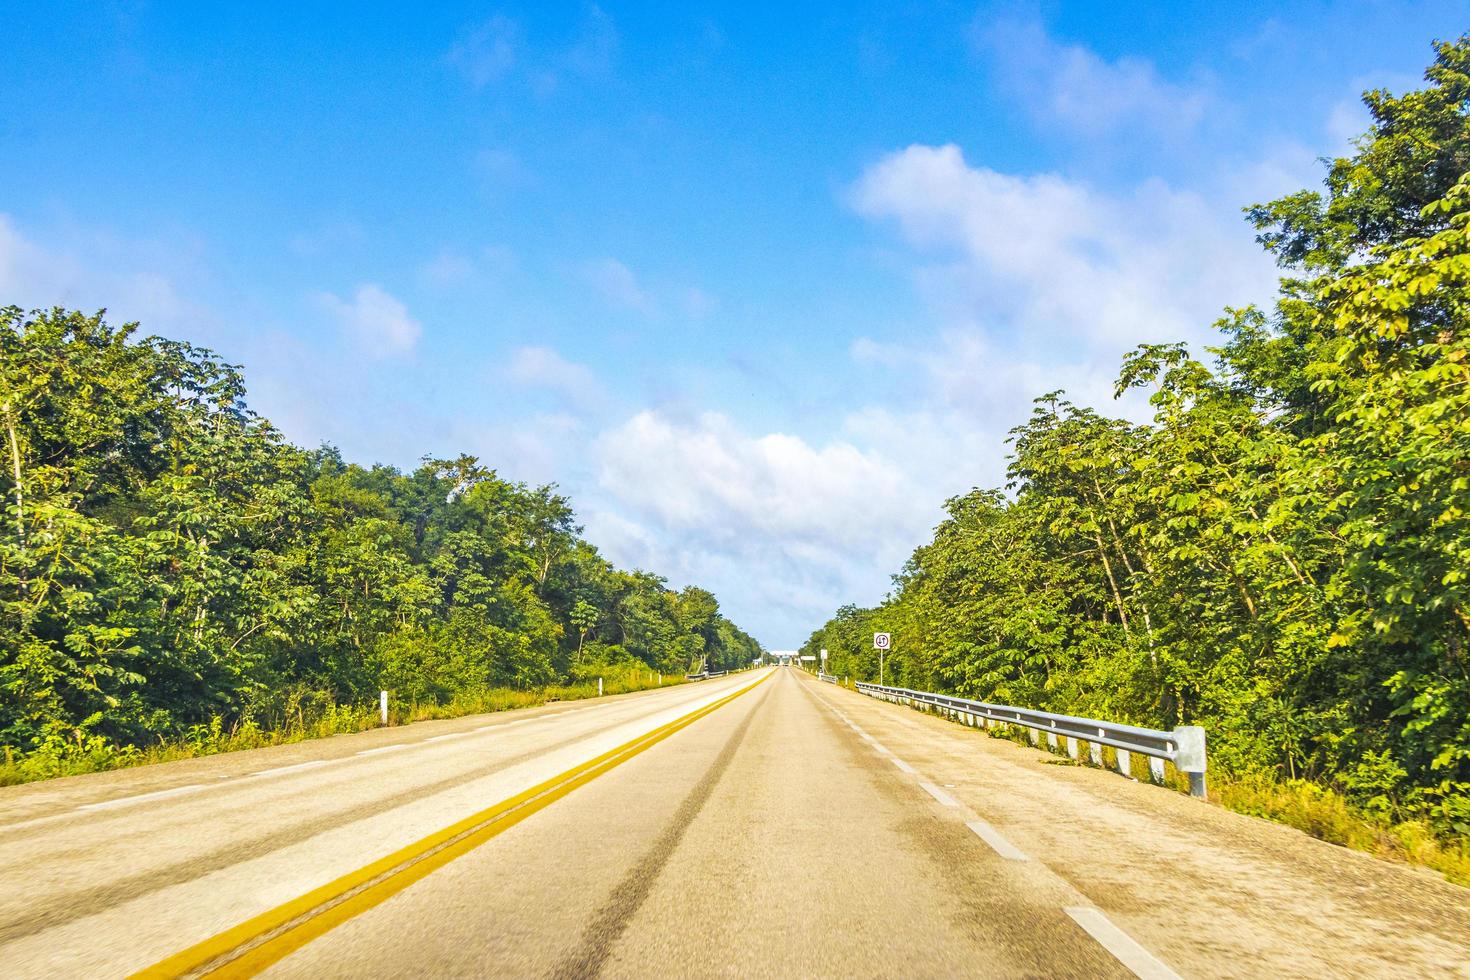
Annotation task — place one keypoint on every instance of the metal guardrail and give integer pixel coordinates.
(829, 678)
(1184, 746)
(705, 675)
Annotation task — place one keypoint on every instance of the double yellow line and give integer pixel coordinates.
(253, 945)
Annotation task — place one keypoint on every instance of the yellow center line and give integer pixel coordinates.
(248, 948)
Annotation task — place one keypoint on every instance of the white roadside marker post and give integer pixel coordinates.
(383, 706)
(599, 687)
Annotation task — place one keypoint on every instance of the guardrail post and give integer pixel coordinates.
(1125, 762)
(1035, 735)
(1191, 757)
(1156, 771)
(1071, 748)
(1094, 753)
(1051, 741)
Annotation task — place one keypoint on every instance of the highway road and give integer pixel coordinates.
(760, 824)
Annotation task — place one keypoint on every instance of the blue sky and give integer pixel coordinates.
(758, 287)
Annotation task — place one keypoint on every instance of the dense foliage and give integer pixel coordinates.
(166, 560)
(1283, 555)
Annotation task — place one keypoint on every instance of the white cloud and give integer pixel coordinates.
(542, 367)
(975, 390)
(328, 237)
(698, 303)
(498, 259)
(1348, 120)
(376, 320)
(27, 271)
(704, 476)
(776, 523)
(616, 284)
(448, 268)
(497, 50)
(499, 169)
(133, 279)
(619, 287)
(1072, 86)
(1044, 259)
(488, 51)
(455, 267)
(544, 447)
(596, 47)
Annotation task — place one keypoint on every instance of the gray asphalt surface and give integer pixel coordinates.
(799, 830)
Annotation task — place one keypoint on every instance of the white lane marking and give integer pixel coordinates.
(142, 797)
(882, 749)
(35, 821)
(1128, 952)
(281, 770)
(997, 842)
(446, 737)
(384, 748)
(901, 764)
(502, 725)
(944, 798)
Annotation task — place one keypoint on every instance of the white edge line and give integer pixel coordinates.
(1123, 946)
(142, 797)
(446, 737)
(996, 840)
(944, 798)
(901, 764)
(35, 821)
(279, 770)
(384, 748)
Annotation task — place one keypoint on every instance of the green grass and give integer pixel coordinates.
(1327, 815)
(62, 757)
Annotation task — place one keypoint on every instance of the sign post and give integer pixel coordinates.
(881, 642)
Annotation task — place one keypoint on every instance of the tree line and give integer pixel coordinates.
(167, 559)
(1283, 554)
